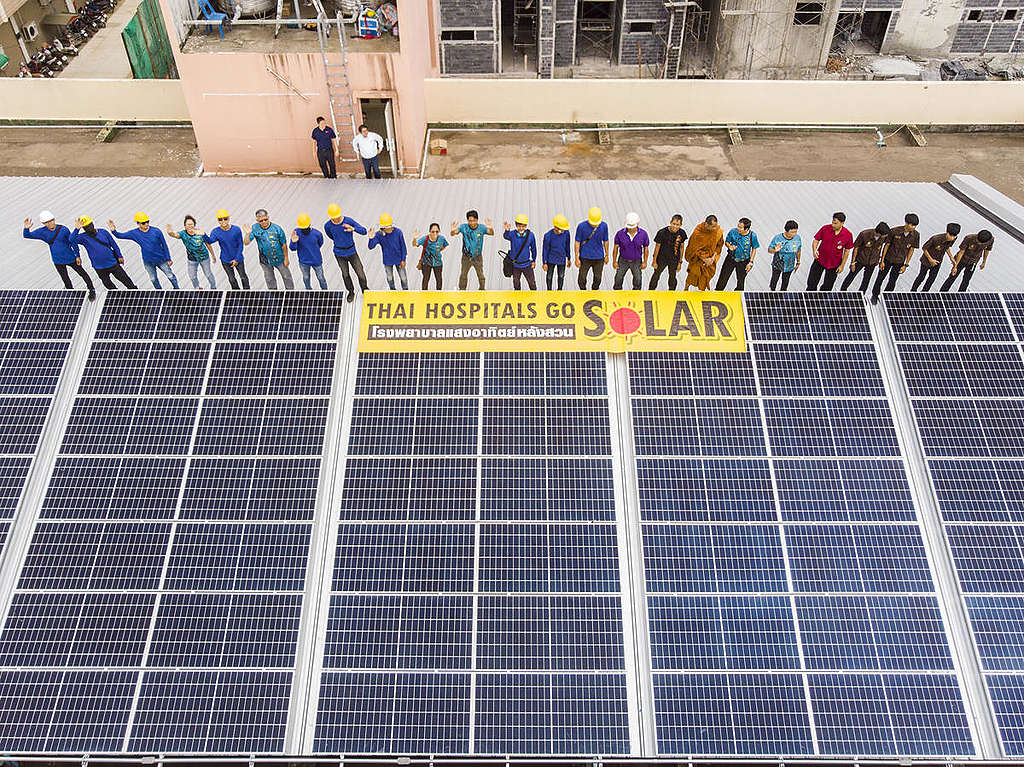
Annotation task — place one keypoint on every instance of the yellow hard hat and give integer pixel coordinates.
(522, 219)
(385, 220)
(141, 218)
(222, 214)
(304, 221)
(594, 216)
(85, 220)
(561, 222)
(333, 210)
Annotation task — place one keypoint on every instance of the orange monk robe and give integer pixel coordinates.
(705, 242)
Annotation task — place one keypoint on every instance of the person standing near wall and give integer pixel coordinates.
(668, 249)
(522, 251)
(555, 251)
(742, 244)
(270, 242)
(702, 253)
(197, 252)
(156, 256)
(933, 253)
(868, 250)
(591, 248)
(63, 254)
(307, 242)
(340, 229)
(232, 257)
(974, 248)
(368, 146)
(472, 247)
(898, 252)
(785, 249)
(630, 252)
(324, 137)
(393, 251)
(103, 252)
(832, 245)
(431, 254)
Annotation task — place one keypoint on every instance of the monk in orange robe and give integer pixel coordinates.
(702, 252)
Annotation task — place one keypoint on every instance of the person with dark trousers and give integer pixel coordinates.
(898, 251)
(324, 136)
(867, 252)
(307, 242)
(629, 253)
(431, 259)
(340, 229)
(832, 245)
(156, 256)
(63, 254)
(741, 244)
(522, 251)
(591, 248)
(104, 253)
(933, 253)
(555, 251)
(785, 249)
(232, 259)
(973, 249)
(668, 252)
(368, 145)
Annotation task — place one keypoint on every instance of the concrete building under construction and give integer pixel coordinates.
(768, 39)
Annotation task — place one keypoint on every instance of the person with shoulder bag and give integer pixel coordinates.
(431, 255)
(522, 254)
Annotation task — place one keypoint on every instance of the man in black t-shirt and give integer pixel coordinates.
(668, 247)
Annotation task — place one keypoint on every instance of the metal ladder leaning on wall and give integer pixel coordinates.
(338, 92)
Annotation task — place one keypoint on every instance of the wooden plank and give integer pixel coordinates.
(107, 133)
(604, 138)
(917, 136)
(734, 135)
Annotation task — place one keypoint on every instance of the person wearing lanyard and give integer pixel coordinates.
(591, 248)
(832, 245)
(630, 252)
(867, 252)
(307, 242)
(155, 253)
(431, 255)
(232, 258)
(63, 254)
(270, 241)
(340, 228)
(522, 251)
(392, 249)
(555, 251)
(197, 252)
(104, 254)
(472, 247)
(742, 245)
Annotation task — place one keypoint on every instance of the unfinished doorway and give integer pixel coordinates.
(378, 116)
(860, 33)
(873, 29)
(519, 31)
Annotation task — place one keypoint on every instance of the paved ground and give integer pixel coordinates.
(75, 152)
(104, 56)
(766, 155)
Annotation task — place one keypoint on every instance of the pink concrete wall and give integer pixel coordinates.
(246, 120)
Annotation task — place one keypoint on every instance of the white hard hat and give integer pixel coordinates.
(632, 219)
(46, 216)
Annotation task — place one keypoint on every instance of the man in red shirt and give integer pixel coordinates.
(832, 245)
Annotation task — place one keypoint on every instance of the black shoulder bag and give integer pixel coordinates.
(508, 263)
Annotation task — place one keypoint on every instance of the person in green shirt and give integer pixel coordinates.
(197, 252)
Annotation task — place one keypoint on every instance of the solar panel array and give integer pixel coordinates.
(791, 603)
(158, 604)
(962, 362)
(475, 603)
(35, 334)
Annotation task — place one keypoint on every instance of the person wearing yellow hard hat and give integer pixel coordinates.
(232, 245)
(630, 252)
(431, 255)
(103, 251)
(591, 248)
(522, 252)
(63, 254)
(271, 245)
(308, 243)
(341, 229)
(555, 250)
(472, 247)
(156, 256)
(392, 248)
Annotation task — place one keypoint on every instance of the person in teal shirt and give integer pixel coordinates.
(472, 247)
(197, 252)
(433, 245)
(272, 245)
(785, 250)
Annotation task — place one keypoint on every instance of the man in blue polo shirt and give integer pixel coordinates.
(591, 248)
(63, 254)
(472, 247)
(324, 136)
(156, 256)
(232, 259)
(270, 241)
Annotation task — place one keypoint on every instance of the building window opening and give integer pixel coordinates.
(808, 14)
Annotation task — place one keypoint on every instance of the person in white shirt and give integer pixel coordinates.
(368, 146)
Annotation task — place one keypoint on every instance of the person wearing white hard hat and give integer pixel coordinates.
(630, 252)
(63, 252)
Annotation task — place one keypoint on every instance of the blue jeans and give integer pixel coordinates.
(390, 272)
(164, 267)
(318, 270)
(372, 167)
(193, 273)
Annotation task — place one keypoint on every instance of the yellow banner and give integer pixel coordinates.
(510, 320)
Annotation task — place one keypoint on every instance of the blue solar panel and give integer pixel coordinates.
(31, 367)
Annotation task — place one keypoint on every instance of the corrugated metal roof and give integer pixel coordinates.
(414, 204)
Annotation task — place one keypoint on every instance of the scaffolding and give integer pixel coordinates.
(595, 29)
(754, 41)
(524, 25)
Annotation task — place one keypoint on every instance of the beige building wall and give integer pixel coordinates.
(93, 101)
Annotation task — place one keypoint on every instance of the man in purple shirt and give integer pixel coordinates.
(630, 252)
